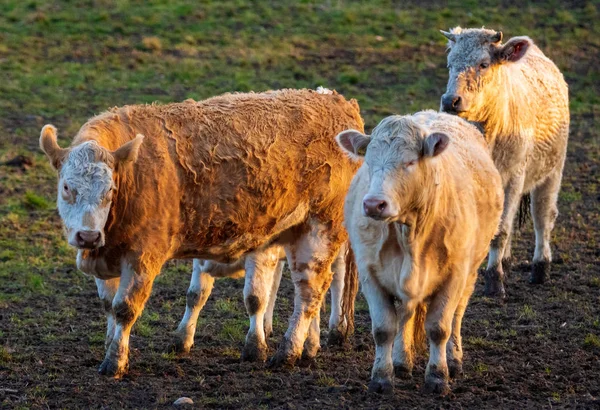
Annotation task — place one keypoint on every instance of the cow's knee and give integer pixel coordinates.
(124, 312)
(437, 333)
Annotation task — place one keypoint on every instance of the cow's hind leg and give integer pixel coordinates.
(134, 289)
(200, 289)
(544, 212)
(310, 258)
(313, 341)
(106, 291)
(337, 321)
(272, 297)
(260, 273)
(494, 275)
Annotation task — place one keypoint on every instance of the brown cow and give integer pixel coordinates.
(218, 179)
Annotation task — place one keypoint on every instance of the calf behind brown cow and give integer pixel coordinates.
(217, 179)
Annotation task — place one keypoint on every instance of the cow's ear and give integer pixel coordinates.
(49, 145)
(354, 143)
(128, 152)
(435, 144)
(514, 49)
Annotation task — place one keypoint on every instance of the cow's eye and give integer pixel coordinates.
(409, 163)
(66, 188)
(484, 65)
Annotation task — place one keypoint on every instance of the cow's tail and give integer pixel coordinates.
(419, 335)
(524, 211)
(350, 291)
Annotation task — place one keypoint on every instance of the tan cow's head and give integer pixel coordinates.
(86, 184)
(400, 157)
(477, 62)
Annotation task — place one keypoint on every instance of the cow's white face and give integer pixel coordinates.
(397, 156)
(86, 185)
(85, 191)
(475, 57)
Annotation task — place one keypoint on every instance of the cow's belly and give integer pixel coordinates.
(229, 248)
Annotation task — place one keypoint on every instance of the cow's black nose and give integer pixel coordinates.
(452, 103)
(88, 239)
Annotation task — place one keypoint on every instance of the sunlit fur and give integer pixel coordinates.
(449, 207)
(522, 105)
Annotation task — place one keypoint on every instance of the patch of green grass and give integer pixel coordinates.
(32, 200)
(226, 305)
(526, 313)
(591, 340)
(5, 356)
(480, 368)
(570, 196)
(480, 342)
(325, 381)
(233, 329)
(595, 282)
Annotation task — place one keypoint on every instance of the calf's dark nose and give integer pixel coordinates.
(452, 103)
(374, 207)
(88, 239)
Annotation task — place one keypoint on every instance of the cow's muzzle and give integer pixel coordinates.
(453, 104)
(87, 239)
(377, 208)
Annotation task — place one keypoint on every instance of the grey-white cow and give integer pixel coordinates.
(420, 214)
(520, 99)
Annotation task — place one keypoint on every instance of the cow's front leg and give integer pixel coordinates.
(438, 325)
(454, 348)
(310, 259)
(384, 323)
(337, 321)
(134, 290)
(260, 273)
(494, 275)
(106, 291)
(404, 348)
(200, 289)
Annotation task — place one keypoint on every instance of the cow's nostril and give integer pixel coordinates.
(381, 206)
(456, 102)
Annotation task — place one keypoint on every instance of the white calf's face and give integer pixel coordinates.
(85, 190)
(397, 156)
(86, 184)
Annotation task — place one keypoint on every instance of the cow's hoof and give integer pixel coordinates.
(540, 272)
(268, 332)
(284, 357)
(180, 346)
(307, 361)
(381, 387)
(402, 371)
(112, 369)
(254, 352)
(507, 265)
(455, 368)
(436, 385)
(335, 338)
(493, 284)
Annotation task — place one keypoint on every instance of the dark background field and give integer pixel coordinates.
(62, 62)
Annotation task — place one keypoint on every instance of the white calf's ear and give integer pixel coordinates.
(435, 144)
(515, 49)
(353, 142)
(49, 146)
(128, 152)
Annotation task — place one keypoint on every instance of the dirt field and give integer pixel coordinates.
(63, 62)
